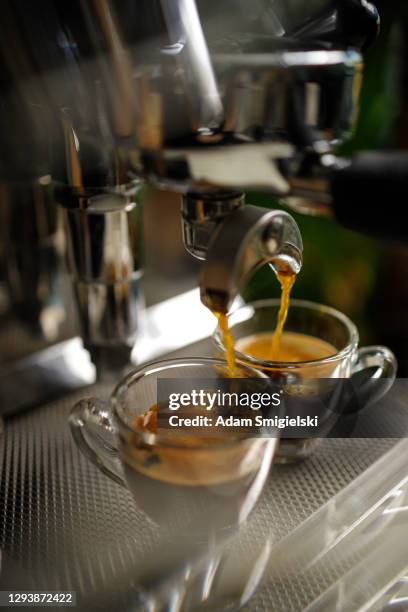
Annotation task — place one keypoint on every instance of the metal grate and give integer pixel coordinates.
(62, 516)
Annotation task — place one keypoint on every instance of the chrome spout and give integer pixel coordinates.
(249, 238)
(104, 264)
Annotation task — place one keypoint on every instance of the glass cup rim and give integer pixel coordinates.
(294, 303)
(152, 367)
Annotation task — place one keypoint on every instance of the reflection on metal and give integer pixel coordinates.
(116, 87)
(249, 238)
(104, 254)
(172, 324)
(202, 213)
(112, 549)
(187, 94)
(44, 375)
(55, 371)
(31, 255)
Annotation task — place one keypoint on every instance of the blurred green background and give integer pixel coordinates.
(364, 278)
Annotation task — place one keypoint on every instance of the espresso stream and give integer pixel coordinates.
(276, 346)
(273, 346)
(286, 280)
(228, 341)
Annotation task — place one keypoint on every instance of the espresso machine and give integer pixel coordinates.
(99, 98)
(205, 99)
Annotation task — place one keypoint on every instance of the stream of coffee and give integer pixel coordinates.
(169, 472)
(286, 280)
(270, 347)
(228, 342)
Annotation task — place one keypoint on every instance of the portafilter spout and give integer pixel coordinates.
(248, 238)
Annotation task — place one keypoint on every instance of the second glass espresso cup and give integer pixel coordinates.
(319, 323)
(185, 484)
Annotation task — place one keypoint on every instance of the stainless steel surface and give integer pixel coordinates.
(234, 241)
(187, 40)
(284, 113)
(163, 90)
(102, 92)
(168, 271)
(65, 366)
(31, 254)
(49, 373)
(104, 258)
(71, 527)
(348, 554)
(249, 238)
(202, 213)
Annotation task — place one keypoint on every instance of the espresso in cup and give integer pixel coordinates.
(189, 484)
(286, 278)
(201, 482)
(293, 347)
(318, 342)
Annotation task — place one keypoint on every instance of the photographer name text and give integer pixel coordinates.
(231, 421)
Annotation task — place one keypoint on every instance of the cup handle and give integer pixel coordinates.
(96, 435)
(372, 376)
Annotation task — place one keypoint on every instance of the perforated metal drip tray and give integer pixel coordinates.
(69, 527)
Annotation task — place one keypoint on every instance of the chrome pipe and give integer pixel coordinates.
(104, 261)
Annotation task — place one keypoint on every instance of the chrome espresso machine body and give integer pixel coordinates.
(207, 99)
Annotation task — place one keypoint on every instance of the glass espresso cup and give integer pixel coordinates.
(188, 486)
(310, 328)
